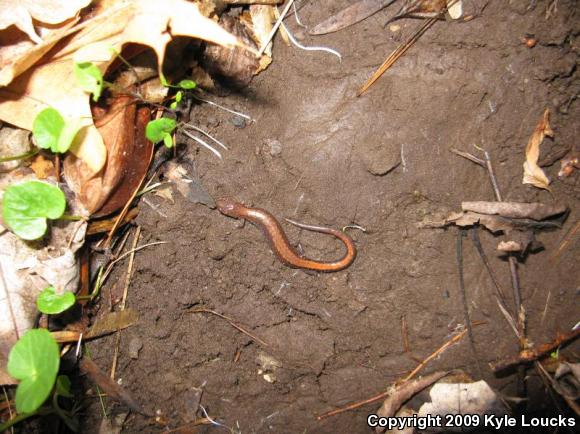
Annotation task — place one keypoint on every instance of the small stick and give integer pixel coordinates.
(9, 406)
(550, 382)
(565, 241)
(405, 334)
(462, 290)
(499, 294)
(477, 243)
(275, 28)
(469, 157)
(492, 176)
(534, 353)
(232, 323)
(546, 307)
(124, 299)
(136, 249)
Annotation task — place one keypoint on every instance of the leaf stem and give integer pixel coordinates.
(20, 156)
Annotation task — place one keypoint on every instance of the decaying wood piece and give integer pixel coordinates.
(518, 210)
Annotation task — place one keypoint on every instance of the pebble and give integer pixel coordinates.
(135, 346)
(273, 146)
(238, 121)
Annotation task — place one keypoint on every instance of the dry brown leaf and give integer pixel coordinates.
(491, 222)
(263, 18)
(111, 322)
(165, 192)
(237, 66)
(533, 174)
(42, 167)
(147, 22)
(128, 156)
(20, 13)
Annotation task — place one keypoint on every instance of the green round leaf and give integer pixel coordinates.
(52, 131)
(89, 78)
(156, 130)
(187, 84)
(178, 96)
(26, 206)
(46, 128)
(51, 303)
(34, 360)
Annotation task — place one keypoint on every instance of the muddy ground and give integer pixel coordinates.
(318, 154)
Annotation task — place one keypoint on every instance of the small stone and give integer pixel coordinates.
(135, 346)
(274, 147)
(238, 121)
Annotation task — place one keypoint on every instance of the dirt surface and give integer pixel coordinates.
(318, 154)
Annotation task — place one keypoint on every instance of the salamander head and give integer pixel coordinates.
(229, 206)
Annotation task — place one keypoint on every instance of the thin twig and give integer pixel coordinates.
(310, 48)
(499, 294)
(520, 312)
(534, 353)
(414, 372)
(245, 116)
(9, 406)
(468, 156)
(202, 143)
(405, 334)
(492, 176)
(124, 299)
(232, 323)
(110, 266)
(565, 241)
(275, 28)
(395, 55)
(205, 133)
(463, 294)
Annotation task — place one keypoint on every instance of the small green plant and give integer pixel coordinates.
(182, 85)
(26, 206)
(178, 98)
(51, 131)
(34, 360)
(160, 130)
(52, 304)
(89, 78)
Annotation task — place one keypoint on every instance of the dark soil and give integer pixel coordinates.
(318, 154)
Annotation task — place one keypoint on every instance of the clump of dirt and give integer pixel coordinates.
(318, 154)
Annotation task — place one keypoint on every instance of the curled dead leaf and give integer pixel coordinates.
(533, 174)
(237, 66)
(129, 154)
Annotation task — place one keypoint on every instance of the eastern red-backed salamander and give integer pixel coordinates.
(278, 240)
